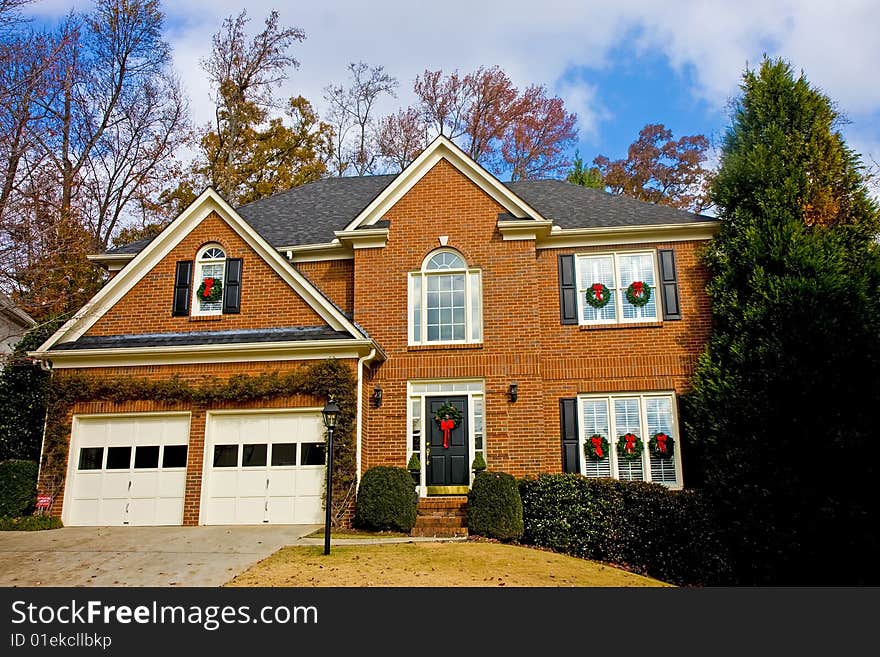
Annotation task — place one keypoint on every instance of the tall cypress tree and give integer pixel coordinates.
(783, 410)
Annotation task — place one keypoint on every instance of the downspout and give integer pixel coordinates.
(46, 366)
(360, 404)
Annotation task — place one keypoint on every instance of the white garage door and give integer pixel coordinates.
(127, 470)
(264, 468)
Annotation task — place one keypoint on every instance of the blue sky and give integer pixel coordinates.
(618, 65)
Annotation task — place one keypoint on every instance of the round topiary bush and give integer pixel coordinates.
(494, 507)
(386, 499)
(18, 488)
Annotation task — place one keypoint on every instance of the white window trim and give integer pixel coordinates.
(446, 388)
(422, 275)
(619, 298)
(197, 279)
(643, 420)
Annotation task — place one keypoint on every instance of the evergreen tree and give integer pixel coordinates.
(580, 174)
(782, 417)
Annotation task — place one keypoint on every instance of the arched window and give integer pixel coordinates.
(445, 301)
(208, 281)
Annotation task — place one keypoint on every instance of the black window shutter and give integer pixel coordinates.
(569, 430)
(232, 286)
(182, 286)
(669, 285)
(567, 291)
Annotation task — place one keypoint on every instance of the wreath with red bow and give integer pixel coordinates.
(210, 290)
(596, 447)
(629, 447)
(598, 295)
(638, 293)
(448, 411)
(662, 445)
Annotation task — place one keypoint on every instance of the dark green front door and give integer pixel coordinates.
(447, 465)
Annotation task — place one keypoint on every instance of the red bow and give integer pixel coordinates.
(638, 288)
(597, 446)
(597, 291)
(446, 426)
(630, 446)
(209, 283)
(661, 442)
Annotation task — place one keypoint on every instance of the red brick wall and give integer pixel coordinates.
(191, 374)
(523, 339)
(266, 300)
(335, 278)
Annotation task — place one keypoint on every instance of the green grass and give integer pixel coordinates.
(356, 534)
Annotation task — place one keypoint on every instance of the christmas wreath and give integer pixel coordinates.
(596, 447)
(598, 295)
(629, 447)
(661, 445)
(448, 411)
(210, 290)
(638, 293)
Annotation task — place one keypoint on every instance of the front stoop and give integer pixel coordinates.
(442, 517)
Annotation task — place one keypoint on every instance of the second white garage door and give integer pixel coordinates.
(264, 468)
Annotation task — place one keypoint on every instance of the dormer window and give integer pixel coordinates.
(208, 282)
(210, 285)
(445, 301)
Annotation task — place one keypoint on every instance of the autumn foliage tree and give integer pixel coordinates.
(660, 169)
(401, 137)
(256, 146)
(525, 133)
(92, 117)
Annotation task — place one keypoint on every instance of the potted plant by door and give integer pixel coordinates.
(415, 468)
(479, 463)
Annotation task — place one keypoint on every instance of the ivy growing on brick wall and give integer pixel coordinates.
(322, 379)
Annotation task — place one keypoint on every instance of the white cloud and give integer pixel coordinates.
(836, 43)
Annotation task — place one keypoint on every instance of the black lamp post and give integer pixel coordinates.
(330, 413)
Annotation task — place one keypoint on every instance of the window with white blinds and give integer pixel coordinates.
(644, 415)
(616, 271)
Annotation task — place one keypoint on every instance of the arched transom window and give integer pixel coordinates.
(445, 301)
(208, 283)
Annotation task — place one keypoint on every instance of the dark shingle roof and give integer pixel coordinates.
(286, 334)
(310, 214)
(131, 247)
(573, 206)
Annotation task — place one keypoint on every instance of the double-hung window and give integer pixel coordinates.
(611, 288)
(445, 301)
(642, 415)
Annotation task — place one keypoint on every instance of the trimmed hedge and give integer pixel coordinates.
(495, 509)
(30, 524)
(18, 487)
(386, 499)
(646, 528)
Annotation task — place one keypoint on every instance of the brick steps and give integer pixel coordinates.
(441, 517)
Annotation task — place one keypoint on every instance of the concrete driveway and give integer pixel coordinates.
(138, 556)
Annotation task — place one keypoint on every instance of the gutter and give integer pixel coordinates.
(360, 408)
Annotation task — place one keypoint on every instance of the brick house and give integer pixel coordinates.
(449, 294)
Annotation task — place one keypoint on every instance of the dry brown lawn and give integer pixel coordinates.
(469, 563)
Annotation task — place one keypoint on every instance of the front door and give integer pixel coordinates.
(447, 457)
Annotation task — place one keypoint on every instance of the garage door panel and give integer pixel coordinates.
(309, 480)
(271, 485)
(282, 510)
(282, 482)
(128, 485)
(308, 510)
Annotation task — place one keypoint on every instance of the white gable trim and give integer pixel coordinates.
(209, 201)
(441, 149)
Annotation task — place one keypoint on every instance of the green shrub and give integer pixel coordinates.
(494, 507)
(29, 523)
(646, 528)
(386, 499)
(18, 487)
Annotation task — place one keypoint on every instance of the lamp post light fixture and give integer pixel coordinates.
(331, 414)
